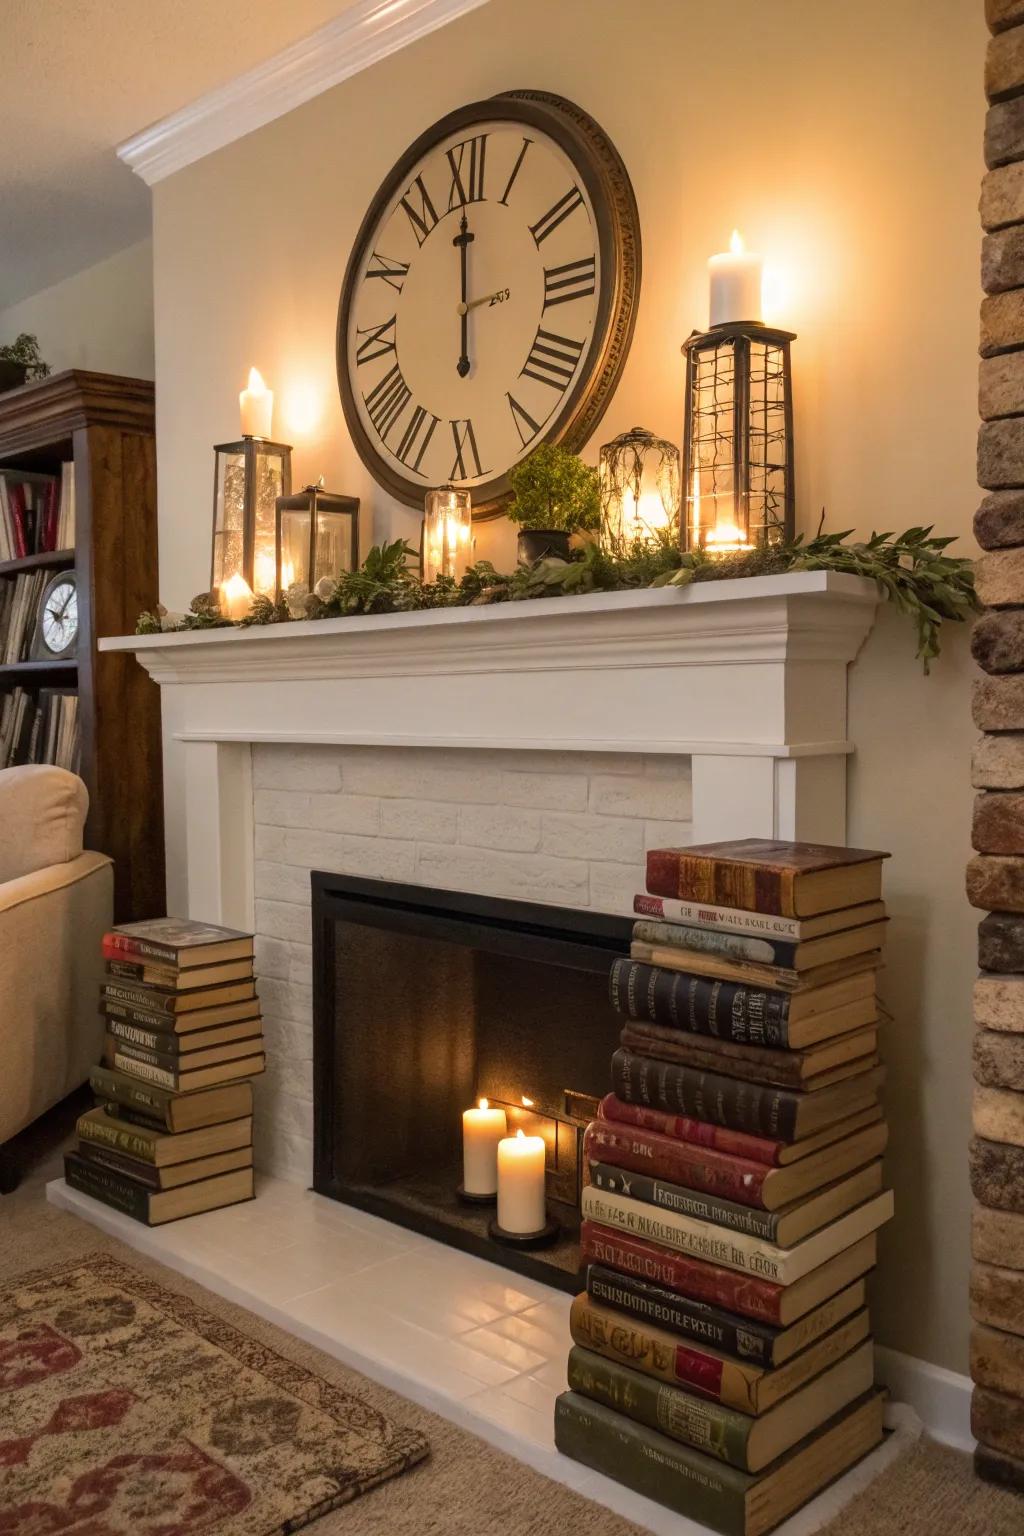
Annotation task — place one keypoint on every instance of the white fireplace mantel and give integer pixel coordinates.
(747, 677)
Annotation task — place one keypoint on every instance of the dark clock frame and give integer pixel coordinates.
(610, 191)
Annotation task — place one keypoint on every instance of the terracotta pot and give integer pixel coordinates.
(541, 543)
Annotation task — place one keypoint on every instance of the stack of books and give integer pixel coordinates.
(172, 1133)
(722, 1360)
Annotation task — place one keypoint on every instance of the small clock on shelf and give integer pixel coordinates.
(56, 637)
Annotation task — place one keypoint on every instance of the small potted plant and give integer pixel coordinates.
(20, 361)
(554, 496)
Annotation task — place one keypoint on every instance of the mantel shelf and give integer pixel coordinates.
(809, 615)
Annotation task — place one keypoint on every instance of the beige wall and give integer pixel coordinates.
(101, 318)
(845, 141)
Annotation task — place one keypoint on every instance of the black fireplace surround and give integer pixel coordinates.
(425, 1001)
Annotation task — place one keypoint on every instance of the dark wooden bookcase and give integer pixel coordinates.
(105, 425)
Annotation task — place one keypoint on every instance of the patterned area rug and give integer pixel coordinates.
(129, 1410)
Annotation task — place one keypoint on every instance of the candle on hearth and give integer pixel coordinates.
(521, 1206)
(482, 1129)
(235, 597)
(735, 284)
(256, 407)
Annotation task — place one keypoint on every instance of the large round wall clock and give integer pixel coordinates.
(489, 300)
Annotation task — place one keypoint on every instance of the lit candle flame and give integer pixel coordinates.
(482, 1104)
(736, 243)
(520, 1135)
(235, 597)
(527, 1102)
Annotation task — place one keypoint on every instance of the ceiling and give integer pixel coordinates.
(82, 75)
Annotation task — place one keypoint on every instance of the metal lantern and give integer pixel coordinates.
(317, 536)
(248, 478)
(447, 533)
(639, 489)
(738, 438)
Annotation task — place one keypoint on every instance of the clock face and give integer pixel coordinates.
(483, 305)
(59, 618)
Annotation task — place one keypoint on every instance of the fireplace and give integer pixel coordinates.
(425, 1000)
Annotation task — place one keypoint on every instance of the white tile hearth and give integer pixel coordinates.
(473, 1342)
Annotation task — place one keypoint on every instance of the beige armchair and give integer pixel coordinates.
(55, 905)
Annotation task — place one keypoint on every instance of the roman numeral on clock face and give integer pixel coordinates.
(556, 214)
(465, 441)
(552, 359)
(522, 419)
(387, 400)
(379, 340)
(467, 166)
(515, 172)
(416, 439)
(394, 273)
(420, 210)
(573, 280)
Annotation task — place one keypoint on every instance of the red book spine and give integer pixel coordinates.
(52, 505)
(662, 872)
(699, 1133)
(120, 946)
(16, 503)
(695, 1278)
(678, 1162)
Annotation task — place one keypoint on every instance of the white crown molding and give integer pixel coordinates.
(365, 33)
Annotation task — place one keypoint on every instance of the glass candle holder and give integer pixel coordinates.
(447, 534)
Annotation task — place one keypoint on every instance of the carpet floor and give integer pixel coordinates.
(467, 1485)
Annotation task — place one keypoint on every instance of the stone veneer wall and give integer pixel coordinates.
(995, 877)
(566, 828)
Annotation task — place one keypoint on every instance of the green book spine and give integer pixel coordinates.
(113, 1189)
(688, 1202)
(144, 1098)
(106, 1132)
(685, 1416)
(707, 1491)
(148, 1040)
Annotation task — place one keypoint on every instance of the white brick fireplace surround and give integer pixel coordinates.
(532, 751)
(529, 750)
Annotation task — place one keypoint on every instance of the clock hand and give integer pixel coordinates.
(464, 308)
(463, 240)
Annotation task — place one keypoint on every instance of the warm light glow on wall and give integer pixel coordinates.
(778, 294)
(302, 406)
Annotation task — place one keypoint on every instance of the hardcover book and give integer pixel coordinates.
(182, 1022)
(699, 1369)
(707, 947)
(761, 875)
(161, 1148)
(155, 1207)
(155, 1000)
(749, 973)
(728, 1332)
(741, 1180)
(783, 1227)
(166, 978)
(767, 924)
(745, 1441)
(183, 1081)
(177, 941)
(732, 1290)
(812, 1066)
(732, 1011)
(702, 1487)
(170, 1175)
(166, 1110)
(779, 1113)
(736, 1250)
(703, 1133)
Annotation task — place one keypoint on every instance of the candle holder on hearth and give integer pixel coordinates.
(248, 478)
(467, 1197)
(317, 536)
(543, 1238)
(738, 481)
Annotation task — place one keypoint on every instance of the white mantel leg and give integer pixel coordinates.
(219, 832)
(792, 798)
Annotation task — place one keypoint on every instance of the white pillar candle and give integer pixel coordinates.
(256, 406)
(235, 597)
(482, 1129)
(521, 1206)
(735, 284)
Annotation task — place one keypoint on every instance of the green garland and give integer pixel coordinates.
(911, 569)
